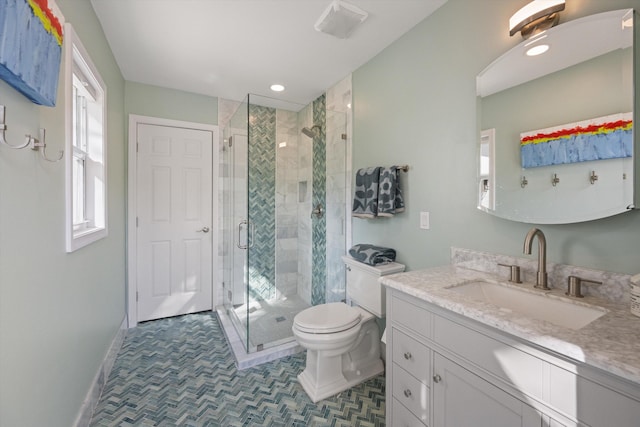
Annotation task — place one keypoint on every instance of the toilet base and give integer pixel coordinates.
(340, 382)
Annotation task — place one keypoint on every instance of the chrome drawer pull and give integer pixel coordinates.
(407, 355)
(407, 393)
(437, 378)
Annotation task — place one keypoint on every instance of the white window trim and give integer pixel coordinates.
(76, 239)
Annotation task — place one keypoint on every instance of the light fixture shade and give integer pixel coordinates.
(340, 19)
(536, 10)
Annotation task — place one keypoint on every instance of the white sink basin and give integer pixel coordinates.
(535, 305)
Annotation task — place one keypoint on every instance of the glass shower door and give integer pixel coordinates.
(236, 240)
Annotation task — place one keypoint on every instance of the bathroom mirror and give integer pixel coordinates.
(557, 144)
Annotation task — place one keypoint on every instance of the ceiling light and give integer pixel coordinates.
(536, 16)
(277, 88)
(538, 50)
(340, 19)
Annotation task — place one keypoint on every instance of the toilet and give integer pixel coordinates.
(343, 341)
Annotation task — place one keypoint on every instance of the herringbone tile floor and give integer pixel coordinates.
(180, 372)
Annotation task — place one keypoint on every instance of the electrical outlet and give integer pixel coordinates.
(424, 220)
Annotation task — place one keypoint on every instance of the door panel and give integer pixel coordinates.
(462, 399)
(174, 209)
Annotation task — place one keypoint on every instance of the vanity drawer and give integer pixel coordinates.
(514, 366)
(411, 316)
(402, 417)
(410, 392)
(412, 356)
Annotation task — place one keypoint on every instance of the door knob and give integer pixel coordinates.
(204, 230)
(437, 378)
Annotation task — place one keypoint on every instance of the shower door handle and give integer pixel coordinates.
(240, 224)
(250, 232)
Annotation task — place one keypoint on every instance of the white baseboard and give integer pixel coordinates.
(97, 385)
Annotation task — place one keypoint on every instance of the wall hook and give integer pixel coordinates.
(41, 145)
(3, 128)
(593, 177)
(555, 180)
(523, 181)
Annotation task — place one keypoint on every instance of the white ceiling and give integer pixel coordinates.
(228, 48)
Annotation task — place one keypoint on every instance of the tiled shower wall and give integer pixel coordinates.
(286, 203)
(318, 201)
(262, 202)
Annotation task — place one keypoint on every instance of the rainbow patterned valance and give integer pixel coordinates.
(608, 137)
(31, 48)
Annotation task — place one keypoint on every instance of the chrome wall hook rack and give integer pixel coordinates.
(36, 144)
(3, 128)
(555, 180)
(41, 145)
(523, 181)
(593, 177)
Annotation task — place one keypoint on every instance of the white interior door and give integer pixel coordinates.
(174, 221)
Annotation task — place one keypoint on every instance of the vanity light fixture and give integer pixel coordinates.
(537, 50)
(537, 16)
(277, 88)
(535, 46)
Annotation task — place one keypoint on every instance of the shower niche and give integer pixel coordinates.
(280, 160)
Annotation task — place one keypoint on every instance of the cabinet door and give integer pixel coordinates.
(462, 399)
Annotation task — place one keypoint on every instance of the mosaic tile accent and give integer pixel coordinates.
(319, 197)
(262, 203)
(180, 372)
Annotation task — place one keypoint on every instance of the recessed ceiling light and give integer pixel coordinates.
(277, 88)
(538, 50)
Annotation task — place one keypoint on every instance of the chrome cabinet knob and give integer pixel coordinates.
(407, 393)
(407, 356)
(437, 378)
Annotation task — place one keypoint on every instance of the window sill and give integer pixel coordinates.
(84, 237)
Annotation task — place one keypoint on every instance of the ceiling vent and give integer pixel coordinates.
(340, 19)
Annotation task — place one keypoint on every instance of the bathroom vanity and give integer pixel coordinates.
(456, 359)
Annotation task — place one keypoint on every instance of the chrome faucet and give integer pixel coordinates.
(541, 280)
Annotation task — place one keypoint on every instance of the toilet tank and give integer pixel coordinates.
(363, 285)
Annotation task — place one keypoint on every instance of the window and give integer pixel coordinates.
(86, 161)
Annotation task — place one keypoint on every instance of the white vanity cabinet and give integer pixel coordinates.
(445, 370)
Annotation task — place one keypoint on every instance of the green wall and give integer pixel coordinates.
(415, 103)
(59, 312)
(155, 101)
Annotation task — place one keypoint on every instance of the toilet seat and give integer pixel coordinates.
(327, 318)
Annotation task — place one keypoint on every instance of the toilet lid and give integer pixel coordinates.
(327, 318)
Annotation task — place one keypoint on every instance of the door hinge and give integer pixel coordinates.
(136, 296)
(137, 147)
(136, 221)
(230, 141)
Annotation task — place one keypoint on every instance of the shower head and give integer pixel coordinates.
(311, 132)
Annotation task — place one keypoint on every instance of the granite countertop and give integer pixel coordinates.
(610, 343)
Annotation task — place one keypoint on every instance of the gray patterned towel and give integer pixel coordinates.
(365, 200)
(390, 199)
(371, 254)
